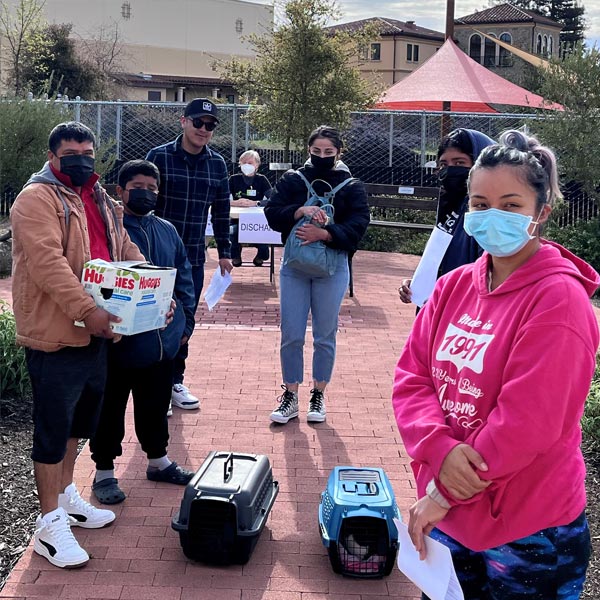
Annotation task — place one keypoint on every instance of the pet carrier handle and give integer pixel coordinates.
(370, 489)
(228, 468)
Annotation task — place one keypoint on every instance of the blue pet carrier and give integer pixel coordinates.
(356, 521)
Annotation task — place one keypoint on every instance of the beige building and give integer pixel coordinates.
(400, 48)
(169, 46)
(521, 28)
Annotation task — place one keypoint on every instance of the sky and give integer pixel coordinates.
(432, 13)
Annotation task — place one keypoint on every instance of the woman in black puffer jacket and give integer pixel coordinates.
(300, 292)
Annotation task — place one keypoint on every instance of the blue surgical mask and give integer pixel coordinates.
(499, 232)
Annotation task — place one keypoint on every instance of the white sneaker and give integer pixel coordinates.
(316, 408)
(54, 540)
(181, 397)
(82, 512)
(170, 410)
(288, 407)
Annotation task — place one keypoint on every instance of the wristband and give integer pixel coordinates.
(435, 494)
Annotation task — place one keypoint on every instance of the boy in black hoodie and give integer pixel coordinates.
(143, 364)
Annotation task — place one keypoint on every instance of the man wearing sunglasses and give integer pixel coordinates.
(194, 179)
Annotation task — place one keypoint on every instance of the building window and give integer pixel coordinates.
(538, 46)
(545, 45)
(475, 47)
(489, 52)
(504, 55)
(239, 26)
(412, 52)
(154, 96)
(230, 99)
(126, 10)
(550, 46)
(375, 51)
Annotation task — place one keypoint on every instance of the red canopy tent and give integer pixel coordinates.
(452, 76)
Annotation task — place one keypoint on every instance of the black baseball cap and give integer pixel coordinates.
(201, 107)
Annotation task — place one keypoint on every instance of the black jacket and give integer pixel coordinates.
(239, 185)
(351, 216)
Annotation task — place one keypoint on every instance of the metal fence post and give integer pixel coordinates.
(118, 129)
(247, 133)
(99, 121)
(391, 145)
(234, 134)
(423, 144)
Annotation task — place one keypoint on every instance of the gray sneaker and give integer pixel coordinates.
(316, 408)
(288, 407)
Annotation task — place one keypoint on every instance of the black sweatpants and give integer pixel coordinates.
(151, 391)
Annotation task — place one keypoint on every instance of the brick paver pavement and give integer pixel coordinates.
(234, 368)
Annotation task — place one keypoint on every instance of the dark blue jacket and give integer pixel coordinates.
(463, 249)
(160, 243)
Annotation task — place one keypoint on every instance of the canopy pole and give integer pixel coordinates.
(449, 19)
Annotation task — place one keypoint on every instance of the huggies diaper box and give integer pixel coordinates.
(137, 292)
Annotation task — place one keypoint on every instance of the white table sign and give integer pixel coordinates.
(254, 229)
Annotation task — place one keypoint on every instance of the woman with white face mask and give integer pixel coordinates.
(248, 188)
(491, 386)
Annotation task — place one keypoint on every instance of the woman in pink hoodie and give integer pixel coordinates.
(490, 389)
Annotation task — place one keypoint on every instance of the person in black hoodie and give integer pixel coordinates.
(456, 154)
(143, 363)
(300, 292)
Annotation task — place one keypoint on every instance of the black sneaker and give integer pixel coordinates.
(316, 408)
(288, 407)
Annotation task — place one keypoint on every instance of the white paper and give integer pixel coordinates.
(435, 576)
(425, 276)
(217, 287)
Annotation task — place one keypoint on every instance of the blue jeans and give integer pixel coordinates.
(179, 360)
(548, 565)
(323, 296)
(262, 250)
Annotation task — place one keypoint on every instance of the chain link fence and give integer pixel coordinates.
(382, 146)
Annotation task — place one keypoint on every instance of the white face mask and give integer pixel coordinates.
(248, 169)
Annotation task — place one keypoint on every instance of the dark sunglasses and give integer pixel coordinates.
(198, 123)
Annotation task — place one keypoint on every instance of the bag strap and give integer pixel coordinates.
(328, 195)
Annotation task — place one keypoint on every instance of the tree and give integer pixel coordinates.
(21, 29)
(302, 76)
(103, 48)
(574, 133)
(566, 12)
(59, 69)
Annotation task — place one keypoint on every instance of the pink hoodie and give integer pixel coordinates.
(507, 372)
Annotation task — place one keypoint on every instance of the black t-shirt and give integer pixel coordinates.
(253, 188)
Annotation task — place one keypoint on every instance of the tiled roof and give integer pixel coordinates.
(504, 13)
(147, 80)
(390, 27)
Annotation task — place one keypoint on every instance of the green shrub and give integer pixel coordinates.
(583, 239)
(24, 129)
(14, 378)
(590, 423)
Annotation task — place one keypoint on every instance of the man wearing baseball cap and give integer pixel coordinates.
(194, 179)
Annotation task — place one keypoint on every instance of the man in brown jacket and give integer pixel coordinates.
(61, 219)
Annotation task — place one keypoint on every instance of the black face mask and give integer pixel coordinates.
(454, 179)
(79, 167)
(141, 202)
(322, 163)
